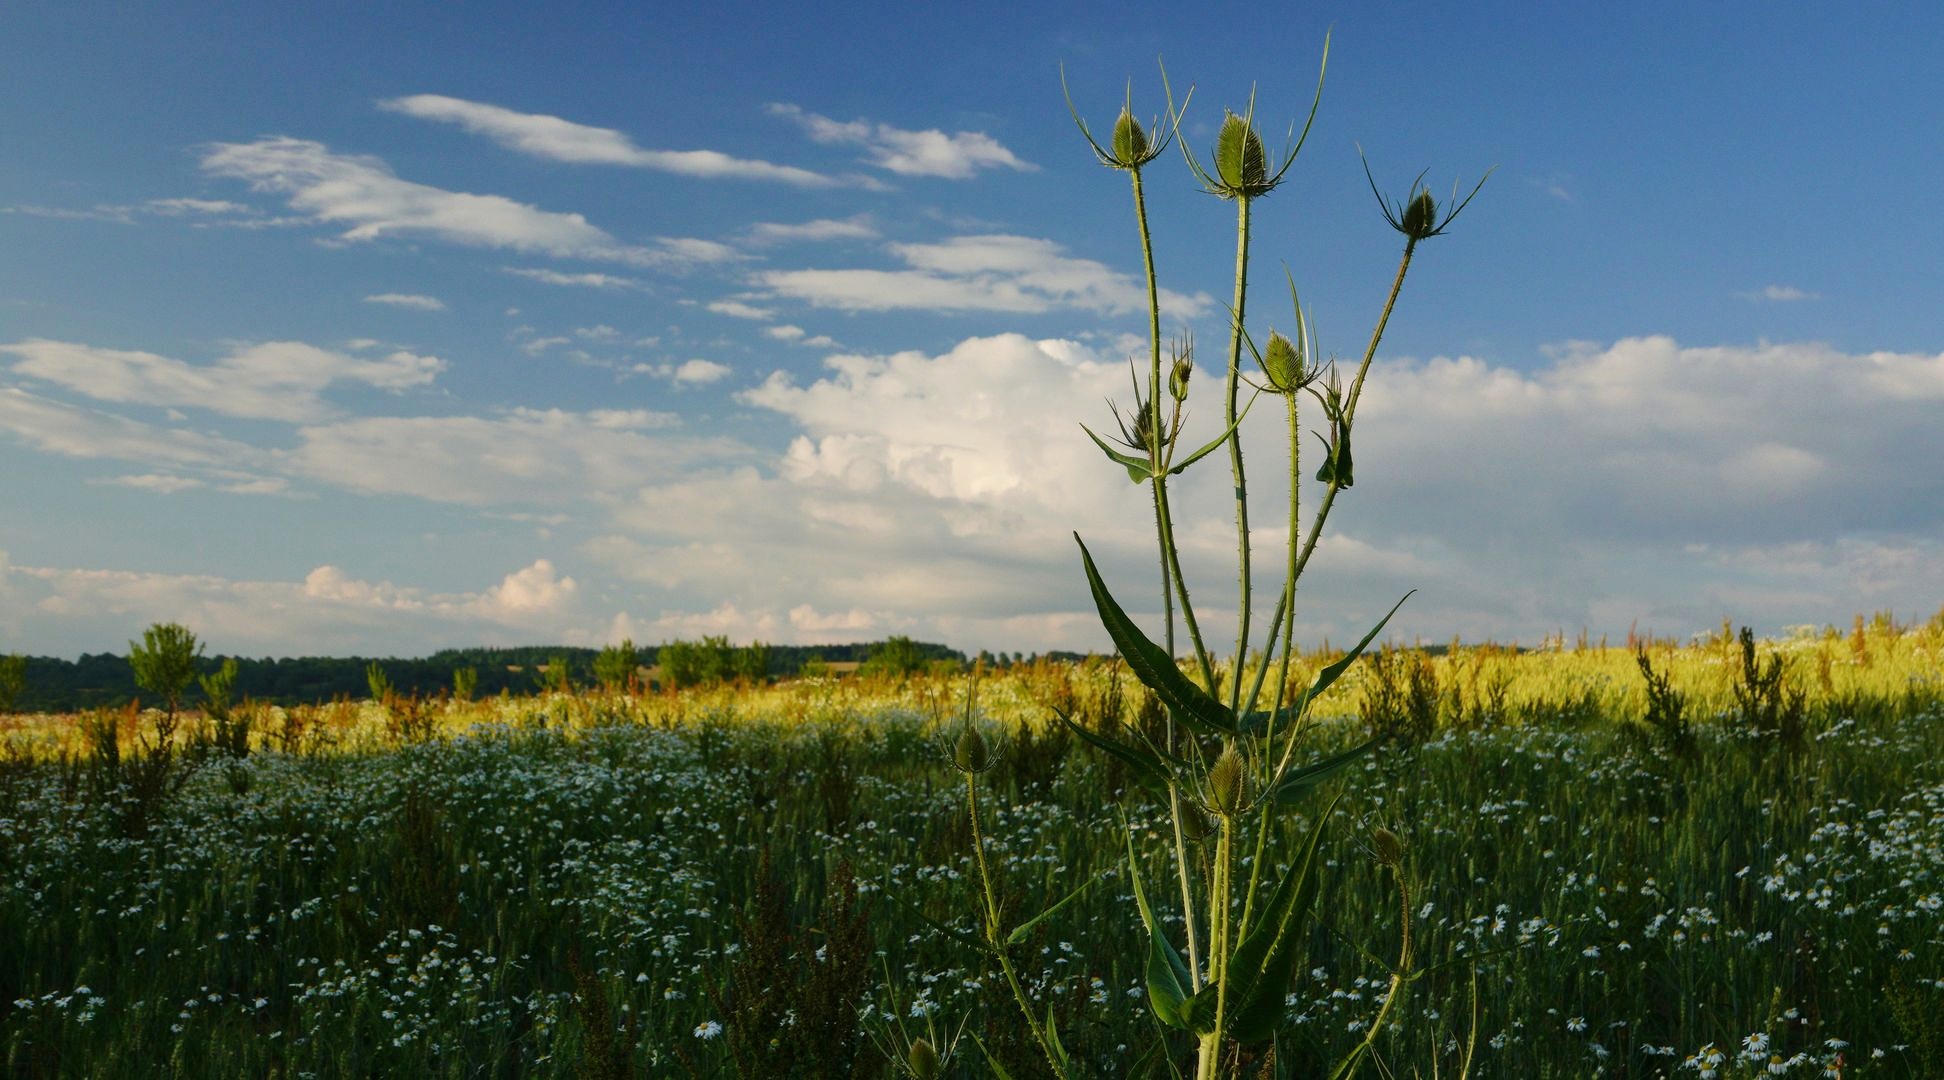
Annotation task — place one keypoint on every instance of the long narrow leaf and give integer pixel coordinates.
(992, 1062)
(1019, 934)
(1219, 440)
(1292, 785)
(1266, 960)
(1147, 765)
(1330, 674)
(1165, 972)
(1053, 1046)
(1138, 469)
(1151, 663)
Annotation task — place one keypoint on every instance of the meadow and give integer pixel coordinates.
(1737, 874)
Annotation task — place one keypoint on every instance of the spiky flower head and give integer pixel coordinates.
(1386, 845)
(1130, 146)
(1240, 163)
(1228, 783)
(923, 1060)
(1283, 362)
(1421, 217)
(971, 753)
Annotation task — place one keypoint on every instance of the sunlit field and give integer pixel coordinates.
(777, 880)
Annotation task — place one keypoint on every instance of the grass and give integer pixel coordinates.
(611, 885)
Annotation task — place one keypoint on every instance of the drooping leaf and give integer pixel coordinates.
(1261, 969)
(1147, 765)
(1165, 972)
(1201, 1008)
(1151, 663)
(1053, 1046)
(1019, 934)
(1138, 468)
(1292, 785)
(992, 1062)
(1336, 467)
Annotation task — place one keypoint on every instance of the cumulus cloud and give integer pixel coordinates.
(909, 153)
(555, 139)
(695, 372)
(276, 380)
(980, 273)
(408, 300)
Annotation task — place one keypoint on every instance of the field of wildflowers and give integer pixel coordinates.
(776, 880)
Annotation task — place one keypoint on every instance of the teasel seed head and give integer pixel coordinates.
(1130, 146)
(1241, 166)
(1386, 845)
(971, 753)
(923, 1060)
(1283, 362)
(1228, 784)
(1178, 378)
(1420, 217)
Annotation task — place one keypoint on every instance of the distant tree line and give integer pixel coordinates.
(104, 680)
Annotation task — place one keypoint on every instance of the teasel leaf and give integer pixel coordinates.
(1166, 973)
(1019, 934)
(1147, 765)
(1053, 1047)
(1265, 962)
(1139, 469)
(998, 1070)
(1297, 781)
(1152, 664)
(1210, 448)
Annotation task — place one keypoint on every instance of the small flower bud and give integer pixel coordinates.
(1283, 363)
(1228, 784)
(1240, 163)
(923, 1060)
(971, 753)
(1195, 826)
(1387, 847)
(1178, 379)
(1130, 142)
(1421, 217)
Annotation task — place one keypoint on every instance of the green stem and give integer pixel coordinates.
(993, 939)
(1218, 947)
(1235, 442)
(1350, 403)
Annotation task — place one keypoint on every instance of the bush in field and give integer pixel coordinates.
(165, 664)
(898, 657)
(615, 667)
(711, 660)
(13, 679)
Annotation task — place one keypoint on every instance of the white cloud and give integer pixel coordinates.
(980, 273)
(736, 309)
(276, 380)
(784, 333)
(55, 428)
(544, 456)
(1779, 294)
(695, 372)
(127, 213)
(585, 281)
(327, 611)
(361, 192)
(408, 300)
(159, 483)
(556, 139)
(909, 153)
(852, 228)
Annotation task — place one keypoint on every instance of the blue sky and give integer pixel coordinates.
(343, 331)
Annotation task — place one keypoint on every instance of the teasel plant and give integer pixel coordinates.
(1228, 762)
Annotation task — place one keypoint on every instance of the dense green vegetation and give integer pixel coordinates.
(105, 680)
(774, 882)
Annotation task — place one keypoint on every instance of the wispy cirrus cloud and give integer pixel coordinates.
(958, 156)
(1778, 294)
(407, 300)
(128, 213)
(582, 281)
(275, 380)
(979, 273)
(851, 228)
(555, 139)
(363, 193)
